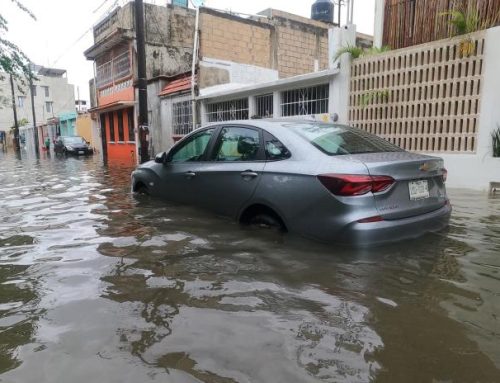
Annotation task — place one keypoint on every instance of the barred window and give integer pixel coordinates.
(305, 101)
(182, 117)
(104, 74)
(264, 106)
(228, 110)
(121, 66)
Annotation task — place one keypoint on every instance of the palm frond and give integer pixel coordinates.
(353, 50)
(377, 50)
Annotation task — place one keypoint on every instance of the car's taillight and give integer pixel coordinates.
(445, 174)
(355, 184)
(376, 218)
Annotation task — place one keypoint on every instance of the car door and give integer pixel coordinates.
(180, 175)
(235, 168)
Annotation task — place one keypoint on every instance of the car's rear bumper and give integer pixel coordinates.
(362, 234)
(83, 152)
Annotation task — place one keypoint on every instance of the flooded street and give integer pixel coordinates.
(99, 286)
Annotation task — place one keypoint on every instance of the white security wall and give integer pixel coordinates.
(430, 99)
(478, 171)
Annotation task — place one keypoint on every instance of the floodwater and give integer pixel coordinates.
(98, 286)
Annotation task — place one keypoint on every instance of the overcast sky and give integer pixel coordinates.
(62, 30)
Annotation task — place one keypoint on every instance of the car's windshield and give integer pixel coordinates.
(340, 139)
(73, 140)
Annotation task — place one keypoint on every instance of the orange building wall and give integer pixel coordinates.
(120, 151)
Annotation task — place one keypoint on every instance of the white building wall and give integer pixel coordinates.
(478, 171)
(61, 94)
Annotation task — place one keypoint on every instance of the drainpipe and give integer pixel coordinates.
(193, 67)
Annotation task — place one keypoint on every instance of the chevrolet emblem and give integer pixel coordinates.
(425, 167)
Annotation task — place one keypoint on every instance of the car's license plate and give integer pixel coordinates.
(418, 189)
(81, 152)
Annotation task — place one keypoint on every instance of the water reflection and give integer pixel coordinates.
(144, 290)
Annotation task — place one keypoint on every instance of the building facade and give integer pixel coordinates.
(168, 36)
(53, 99)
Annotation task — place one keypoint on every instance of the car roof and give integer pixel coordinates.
(274, 123)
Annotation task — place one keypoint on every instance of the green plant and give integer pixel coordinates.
(357, 52)
(12, 60)
(353, 50)
(463, 20)
(377, 50)
(495, 140)
(381, 95)
(466, 21)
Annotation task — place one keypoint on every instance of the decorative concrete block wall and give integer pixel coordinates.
(425, 98)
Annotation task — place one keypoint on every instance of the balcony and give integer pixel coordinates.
(112, 71)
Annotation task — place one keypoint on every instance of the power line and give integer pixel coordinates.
(72, 45)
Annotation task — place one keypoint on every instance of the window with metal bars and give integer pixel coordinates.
(264, 106)
(305, 101)
(228, 110)
(182, 117)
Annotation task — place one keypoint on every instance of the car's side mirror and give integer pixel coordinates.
(161, 158)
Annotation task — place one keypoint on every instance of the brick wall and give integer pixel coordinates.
(298, 50)
(301, 41)
(282, 41)
(235, 39)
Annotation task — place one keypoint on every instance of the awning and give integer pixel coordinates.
(116, 105)
(176, 86)
(109, 42)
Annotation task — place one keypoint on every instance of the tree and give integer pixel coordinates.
(13, 61)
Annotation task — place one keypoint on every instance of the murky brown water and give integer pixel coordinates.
(96, 286)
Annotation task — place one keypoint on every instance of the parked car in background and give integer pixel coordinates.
(325, 181)
(74, 145)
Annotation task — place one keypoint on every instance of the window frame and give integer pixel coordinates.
(20, 101)
(187, 139)
(271, 137)
(121, 130)
(261, 155)
(111, 124)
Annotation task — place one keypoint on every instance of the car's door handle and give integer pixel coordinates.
(190, 174)
(248, 174)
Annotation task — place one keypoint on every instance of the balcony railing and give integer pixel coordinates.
(116, 69)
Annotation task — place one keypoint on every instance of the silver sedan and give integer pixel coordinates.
(324, 181)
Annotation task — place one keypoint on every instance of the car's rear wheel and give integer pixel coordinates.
(262, 216)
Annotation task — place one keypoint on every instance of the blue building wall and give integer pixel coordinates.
(67, 124)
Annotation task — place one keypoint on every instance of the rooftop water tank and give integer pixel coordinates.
(322, 10)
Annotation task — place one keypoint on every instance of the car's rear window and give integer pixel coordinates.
(337, 140)
(73, 140)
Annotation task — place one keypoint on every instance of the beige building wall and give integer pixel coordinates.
(230, 38)
(291, 44)
(84, 128)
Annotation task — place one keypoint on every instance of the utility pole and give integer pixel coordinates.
(142, 85)
(35, 129)
(16, 125)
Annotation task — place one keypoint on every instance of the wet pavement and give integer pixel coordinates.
(99, 286)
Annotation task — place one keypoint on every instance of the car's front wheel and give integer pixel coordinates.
(141, 189)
